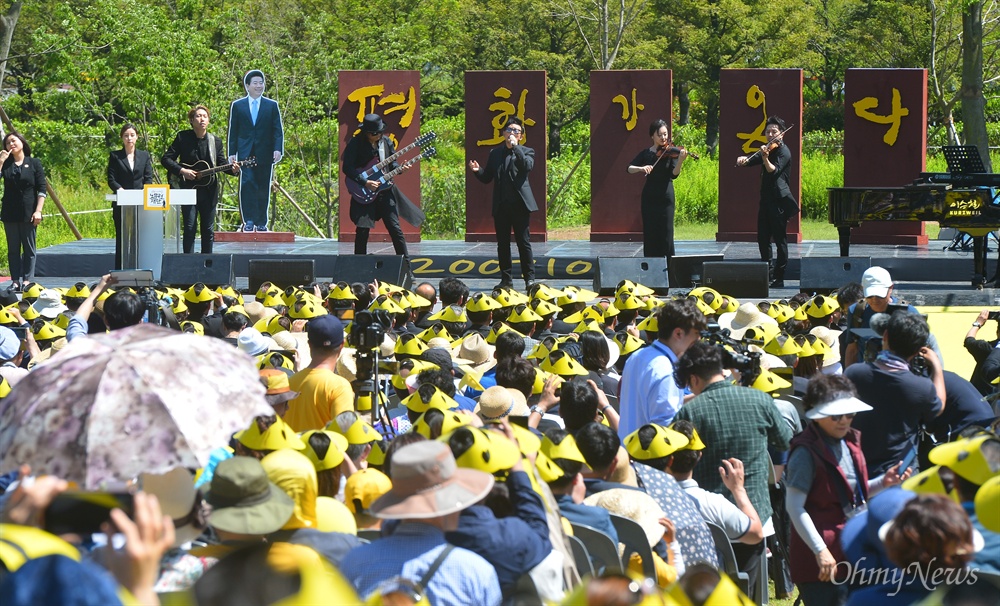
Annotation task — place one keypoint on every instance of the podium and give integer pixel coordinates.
(143, 228)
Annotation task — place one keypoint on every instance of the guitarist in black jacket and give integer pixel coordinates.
(188, 148)
(360, 151)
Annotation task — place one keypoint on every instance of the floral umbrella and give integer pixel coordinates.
(142, 399)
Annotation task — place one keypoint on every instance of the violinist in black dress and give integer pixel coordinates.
(658, 193)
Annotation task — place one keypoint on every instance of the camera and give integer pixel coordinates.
(366, 334)
(737, 355)
(994, 315)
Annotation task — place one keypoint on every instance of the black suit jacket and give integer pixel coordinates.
(21, 188)
(185, 150)
(122, 176)
(260, 140)
(524, 161)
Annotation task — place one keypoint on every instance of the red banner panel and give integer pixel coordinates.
(622, 106)
(885, 142)
(747, 98)
(491, 97)
(394, 95)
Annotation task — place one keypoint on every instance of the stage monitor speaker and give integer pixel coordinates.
(184, 270)
(364, 268)
(830, 273)
(686, 270)
(648, 271)
(737, 278)
(281, 272)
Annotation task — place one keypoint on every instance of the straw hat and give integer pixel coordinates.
(477, 352)
(744, 317)
(499, 402)
(427, 483)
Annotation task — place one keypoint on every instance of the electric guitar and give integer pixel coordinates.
(205, 174)
(362, 194)
(373, 170)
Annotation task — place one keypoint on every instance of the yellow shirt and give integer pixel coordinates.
(322, 396)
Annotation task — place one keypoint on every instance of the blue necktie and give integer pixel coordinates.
(253, 111)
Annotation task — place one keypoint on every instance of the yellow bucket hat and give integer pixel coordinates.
(481, 301)
(560, 363)
(198, 293)
(341, 291)
(334, 455)
(564, 449)
(358, 433)
(451, 313)
(665, 442)
(451, 421)
(626, 343)
(965, 458)
(276, 437)
(497, 329)
(490, 451)
(428, 396)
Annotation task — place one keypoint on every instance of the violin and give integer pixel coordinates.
(772, 144)
(674, 151)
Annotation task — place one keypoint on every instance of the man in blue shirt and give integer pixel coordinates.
(649, 393)
(428, 493)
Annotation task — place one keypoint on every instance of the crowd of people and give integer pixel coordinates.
(553, 446)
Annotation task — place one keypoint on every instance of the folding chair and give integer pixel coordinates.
(632, 536)
(581, 556)
(728, 558)
(603, 551)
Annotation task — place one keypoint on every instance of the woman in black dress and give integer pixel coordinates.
(21, 209)
(658, 192)
(128, 168)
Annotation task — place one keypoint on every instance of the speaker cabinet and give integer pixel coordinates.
(184, 270)
(365, 268)
(281, 272)
(686, 270)
(648, 271)
(737, 278)
(827, 274)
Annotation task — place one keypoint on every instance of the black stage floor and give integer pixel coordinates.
(925, 275)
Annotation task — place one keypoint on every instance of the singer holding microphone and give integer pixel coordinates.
(21, 209)
(507, 167)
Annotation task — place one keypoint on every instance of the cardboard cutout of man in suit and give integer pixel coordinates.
(255, 130)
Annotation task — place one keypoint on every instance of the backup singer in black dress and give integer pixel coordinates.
(658, 192)
(128, 168)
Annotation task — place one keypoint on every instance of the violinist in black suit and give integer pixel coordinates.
(128, 168)
(508, 167)
(777, 204)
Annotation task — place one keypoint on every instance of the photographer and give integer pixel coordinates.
(903, 400)
(122, 309)
(986, 354)
(13, 355)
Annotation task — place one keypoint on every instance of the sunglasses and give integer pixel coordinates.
(839, 417)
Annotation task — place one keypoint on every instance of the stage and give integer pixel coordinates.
(925, 274)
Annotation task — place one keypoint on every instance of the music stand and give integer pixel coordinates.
(963, 159)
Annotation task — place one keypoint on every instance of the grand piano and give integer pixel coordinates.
(967, 198)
